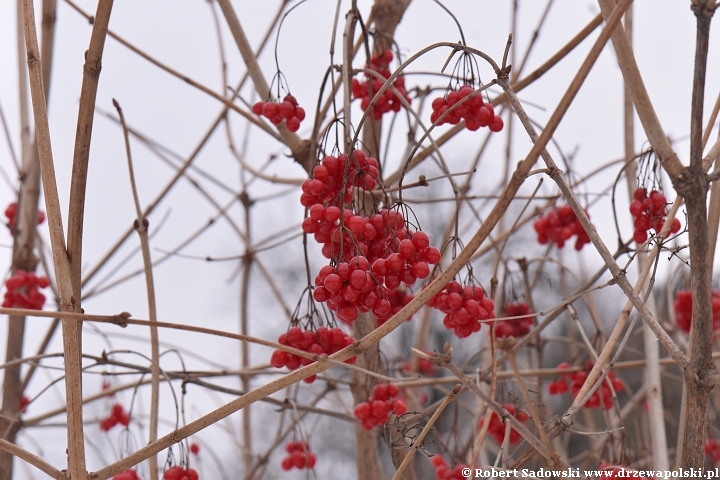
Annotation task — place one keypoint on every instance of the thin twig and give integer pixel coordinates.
(141, 226)
(418, 440)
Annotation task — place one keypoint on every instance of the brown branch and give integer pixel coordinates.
(33, 460)
(71, 331)
(83, 135)
(141, 226)
(693, 186)
(641, 99)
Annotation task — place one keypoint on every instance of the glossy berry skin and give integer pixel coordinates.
(377, 409)
(602, 397)
(129, 474)
(683, 310)
(456, 108)
(11, 215)
(497, 427)
(444, 472)
(465, 308)
(559, 225)
(117, 416)
(712, 449)
(518, 327)
(365, 90)
(322, 341)
(286, 110)
(23, 290)
(299, 457)
(333, 178)
(649, 212)
(179, 473)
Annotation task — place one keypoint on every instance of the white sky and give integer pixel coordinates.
(181, 34)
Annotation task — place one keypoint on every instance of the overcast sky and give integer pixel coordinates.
(182, 35)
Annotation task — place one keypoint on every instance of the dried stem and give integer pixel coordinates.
(141, 226)
(33, 460)
(71, 330)
(421, 436)
(693, 186)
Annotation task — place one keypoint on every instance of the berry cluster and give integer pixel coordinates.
(558, 225)
(683, 309)
(601, 397)
(22, 290)
(444, 472)
(117, 416)
(517, 327)
(328, 186)
(497, 426)
(648, 211)
(365, 90)
(349, 288)
(11, 214)
(464, 307)
(276, 112)
(323, 341)
(410, 262)
(560, 386)
(398, 299)
(377, 409)
(129, 474)
(475, 113)
(424, 366)
(299, 456)
(712, 449)
(179, 473)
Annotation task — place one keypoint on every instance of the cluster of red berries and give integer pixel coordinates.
(179, 473)
(377, 409)
(300, 456)
(324, 341)
(683, 309)
(601, 397)
(398, 299)
(276, 112)
(375, 237)
(129, 474)
(558, 225)
(424, 366)
(475, 113)
(117, 416)
(349, 288)
(517, 327)
(330, 187)
(366, 89)
(464, 307)
(712, 449)
(22, 291)
(411, 261)
(444, 472)
(497, 426)
(11, 214)
(649, 211)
